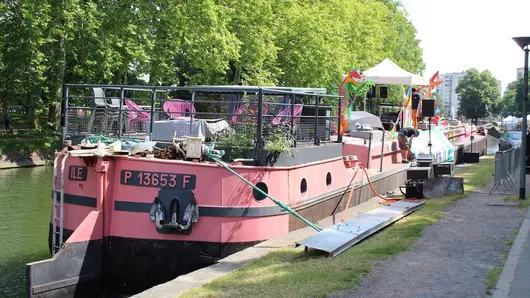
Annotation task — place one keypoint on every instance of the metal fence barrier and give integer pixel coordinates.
(507, 165)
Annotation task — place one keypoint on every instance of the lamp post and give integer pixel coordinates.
(524, 43)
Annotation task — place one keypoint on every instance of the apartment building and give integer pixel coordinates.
(520, 73)
(448, 90)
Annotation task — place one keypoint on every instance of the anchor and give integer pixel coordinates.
(177, 205)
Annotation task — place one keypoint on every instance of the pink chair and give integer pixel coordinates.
(178, 108)
(287, 113)
(136, 113)
(249, 109)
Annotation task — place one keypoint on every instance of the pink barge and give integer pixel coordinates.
(123, 220)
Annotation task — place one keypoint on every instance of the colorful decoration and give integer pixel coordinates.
(405, 113)
(352, 84)
(434, 82)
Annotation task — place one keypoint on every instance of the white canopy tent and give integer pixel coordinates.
(387, 72)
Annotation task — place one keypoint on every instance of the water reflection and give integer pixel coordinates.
(24, 216)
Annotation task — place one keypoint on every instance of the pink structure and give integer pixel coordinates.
(111, 201)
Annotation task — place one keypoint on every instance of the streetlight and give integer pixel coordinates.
(524, 43)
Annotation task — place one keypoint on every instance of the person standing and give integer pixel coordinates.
(7, 122)
(416, 105)
(404, 136)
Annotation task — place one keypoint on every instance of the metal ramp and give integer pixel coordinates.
(339, 237)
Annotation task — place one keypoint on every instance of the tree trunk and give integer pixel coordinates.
(32, 120)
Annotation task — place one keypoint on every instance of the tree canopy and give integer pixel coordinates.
(513, 99)
(47, 43)
(479, 90)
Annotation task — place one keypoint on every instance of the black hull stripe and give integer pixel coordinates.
(203, 211)
(207, 211)
(77, 200)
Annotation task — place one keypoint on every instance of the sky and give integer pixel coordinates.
(460, 34)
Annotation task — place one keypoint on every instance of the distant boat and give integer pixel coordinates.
(493, 131)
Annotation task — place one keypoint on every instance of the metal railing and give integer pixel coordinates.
(507, 165)
(236, 115)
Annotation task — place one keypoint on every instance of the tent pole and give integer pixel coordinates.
(364, 102)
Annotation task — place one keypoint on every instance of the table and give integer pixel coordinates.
(164, 130)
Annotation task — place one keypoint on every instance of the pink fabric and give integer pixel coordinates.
(178, 108)
(287, 113)
(248, 109)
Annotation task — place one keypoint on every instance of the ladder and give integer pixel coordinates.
(58, 204)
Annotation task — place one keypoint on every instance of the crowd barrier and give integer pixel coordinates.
(507, 164)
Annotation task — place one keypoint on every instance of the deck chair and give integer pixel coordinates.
(136, 113)
(106, 108)
(175, 108)
(285, 115)
(248, 109)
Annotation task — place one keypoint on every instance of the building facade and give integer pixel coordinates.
(448, 91)
(520, 73)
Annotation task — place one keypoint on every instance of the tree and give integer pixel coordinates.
(479, 90)
(46, 43)
(512, 99)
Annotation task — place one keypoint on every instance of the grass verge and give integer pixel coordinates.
(287, 271)
(515, 198)
(23, 141)
(494, 273)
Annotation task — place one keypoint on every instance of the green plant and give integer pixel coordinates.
(280, 140)
(241, 139)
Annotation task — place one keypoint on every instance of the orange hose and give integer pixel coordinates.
(349, 201)
(371, 186)
(375, 192)
(373, 189)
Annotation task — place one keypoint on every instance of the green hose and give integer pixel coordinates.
(216, 158)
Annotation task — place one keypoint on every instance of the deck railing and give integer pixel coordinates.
(234, 115)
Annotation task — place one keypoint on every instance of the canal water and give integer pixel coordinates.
(25, 198)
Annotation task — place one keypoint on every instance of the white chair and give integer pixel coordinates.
(108, 106)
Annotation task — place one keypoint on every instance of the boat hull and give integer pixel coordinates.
(127, 262)
(114, 247)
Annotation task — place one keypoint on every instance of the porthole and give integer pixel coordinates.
(328, 179)
(303, 186)
(259, 196)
